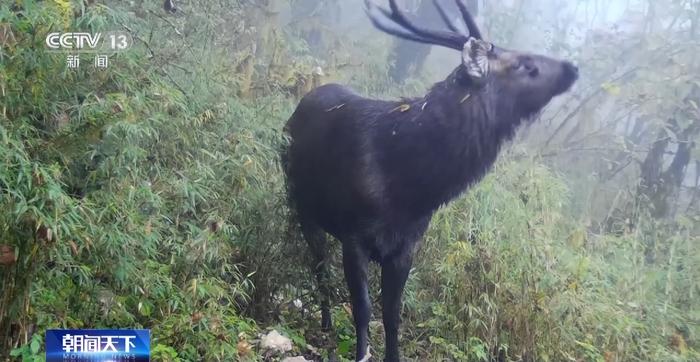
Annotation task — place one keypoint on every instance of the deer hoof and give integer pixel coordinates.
(366, 357)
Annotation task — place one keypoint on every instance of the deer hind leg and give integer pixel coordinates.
(318, 245)
(355, 265)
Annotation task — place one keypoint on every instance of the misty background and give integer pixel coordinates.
(150, 195)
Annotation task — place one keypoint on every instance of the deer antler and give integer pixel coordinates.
(396, 23)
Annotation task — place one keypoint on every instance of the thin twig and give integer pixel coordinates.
(153, 55)
(584, 102)
(144, 41)
(166, 20)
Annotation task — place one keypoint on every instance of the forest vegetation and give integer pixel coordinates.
(150, 194)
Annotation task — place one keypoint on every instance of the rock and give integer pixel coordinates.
(312, 349)
(276, 342)
(296, 359)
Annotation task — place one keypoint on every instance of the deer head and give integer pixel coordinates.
(527, 82)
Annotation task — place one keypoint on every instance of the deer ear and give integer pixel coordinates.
(475, 57)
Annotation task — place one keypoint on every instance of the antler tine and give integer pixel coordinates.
(437, 37)
(379, 24)
(446, 18)
(400, 18)
(474, 31)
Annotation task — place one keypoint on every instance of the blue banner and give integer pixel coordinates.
(98, 345)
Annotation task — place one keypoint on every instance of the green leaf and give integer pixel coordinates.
(35, 346)
(344, 347)
(611, 88)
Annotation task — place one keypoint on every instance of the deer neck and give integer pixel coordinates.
(448, 141)
(475, 119)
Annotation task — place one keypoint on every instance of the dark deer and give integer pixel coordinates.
(372, 172)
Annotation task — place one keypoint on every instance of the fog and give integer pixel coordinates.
(150, 193)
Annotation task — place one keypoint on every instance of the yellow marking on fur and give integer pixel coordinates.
(402, 108)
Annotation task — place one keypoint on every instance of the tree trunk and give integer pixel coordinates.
(259, 45)
(313, 19)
